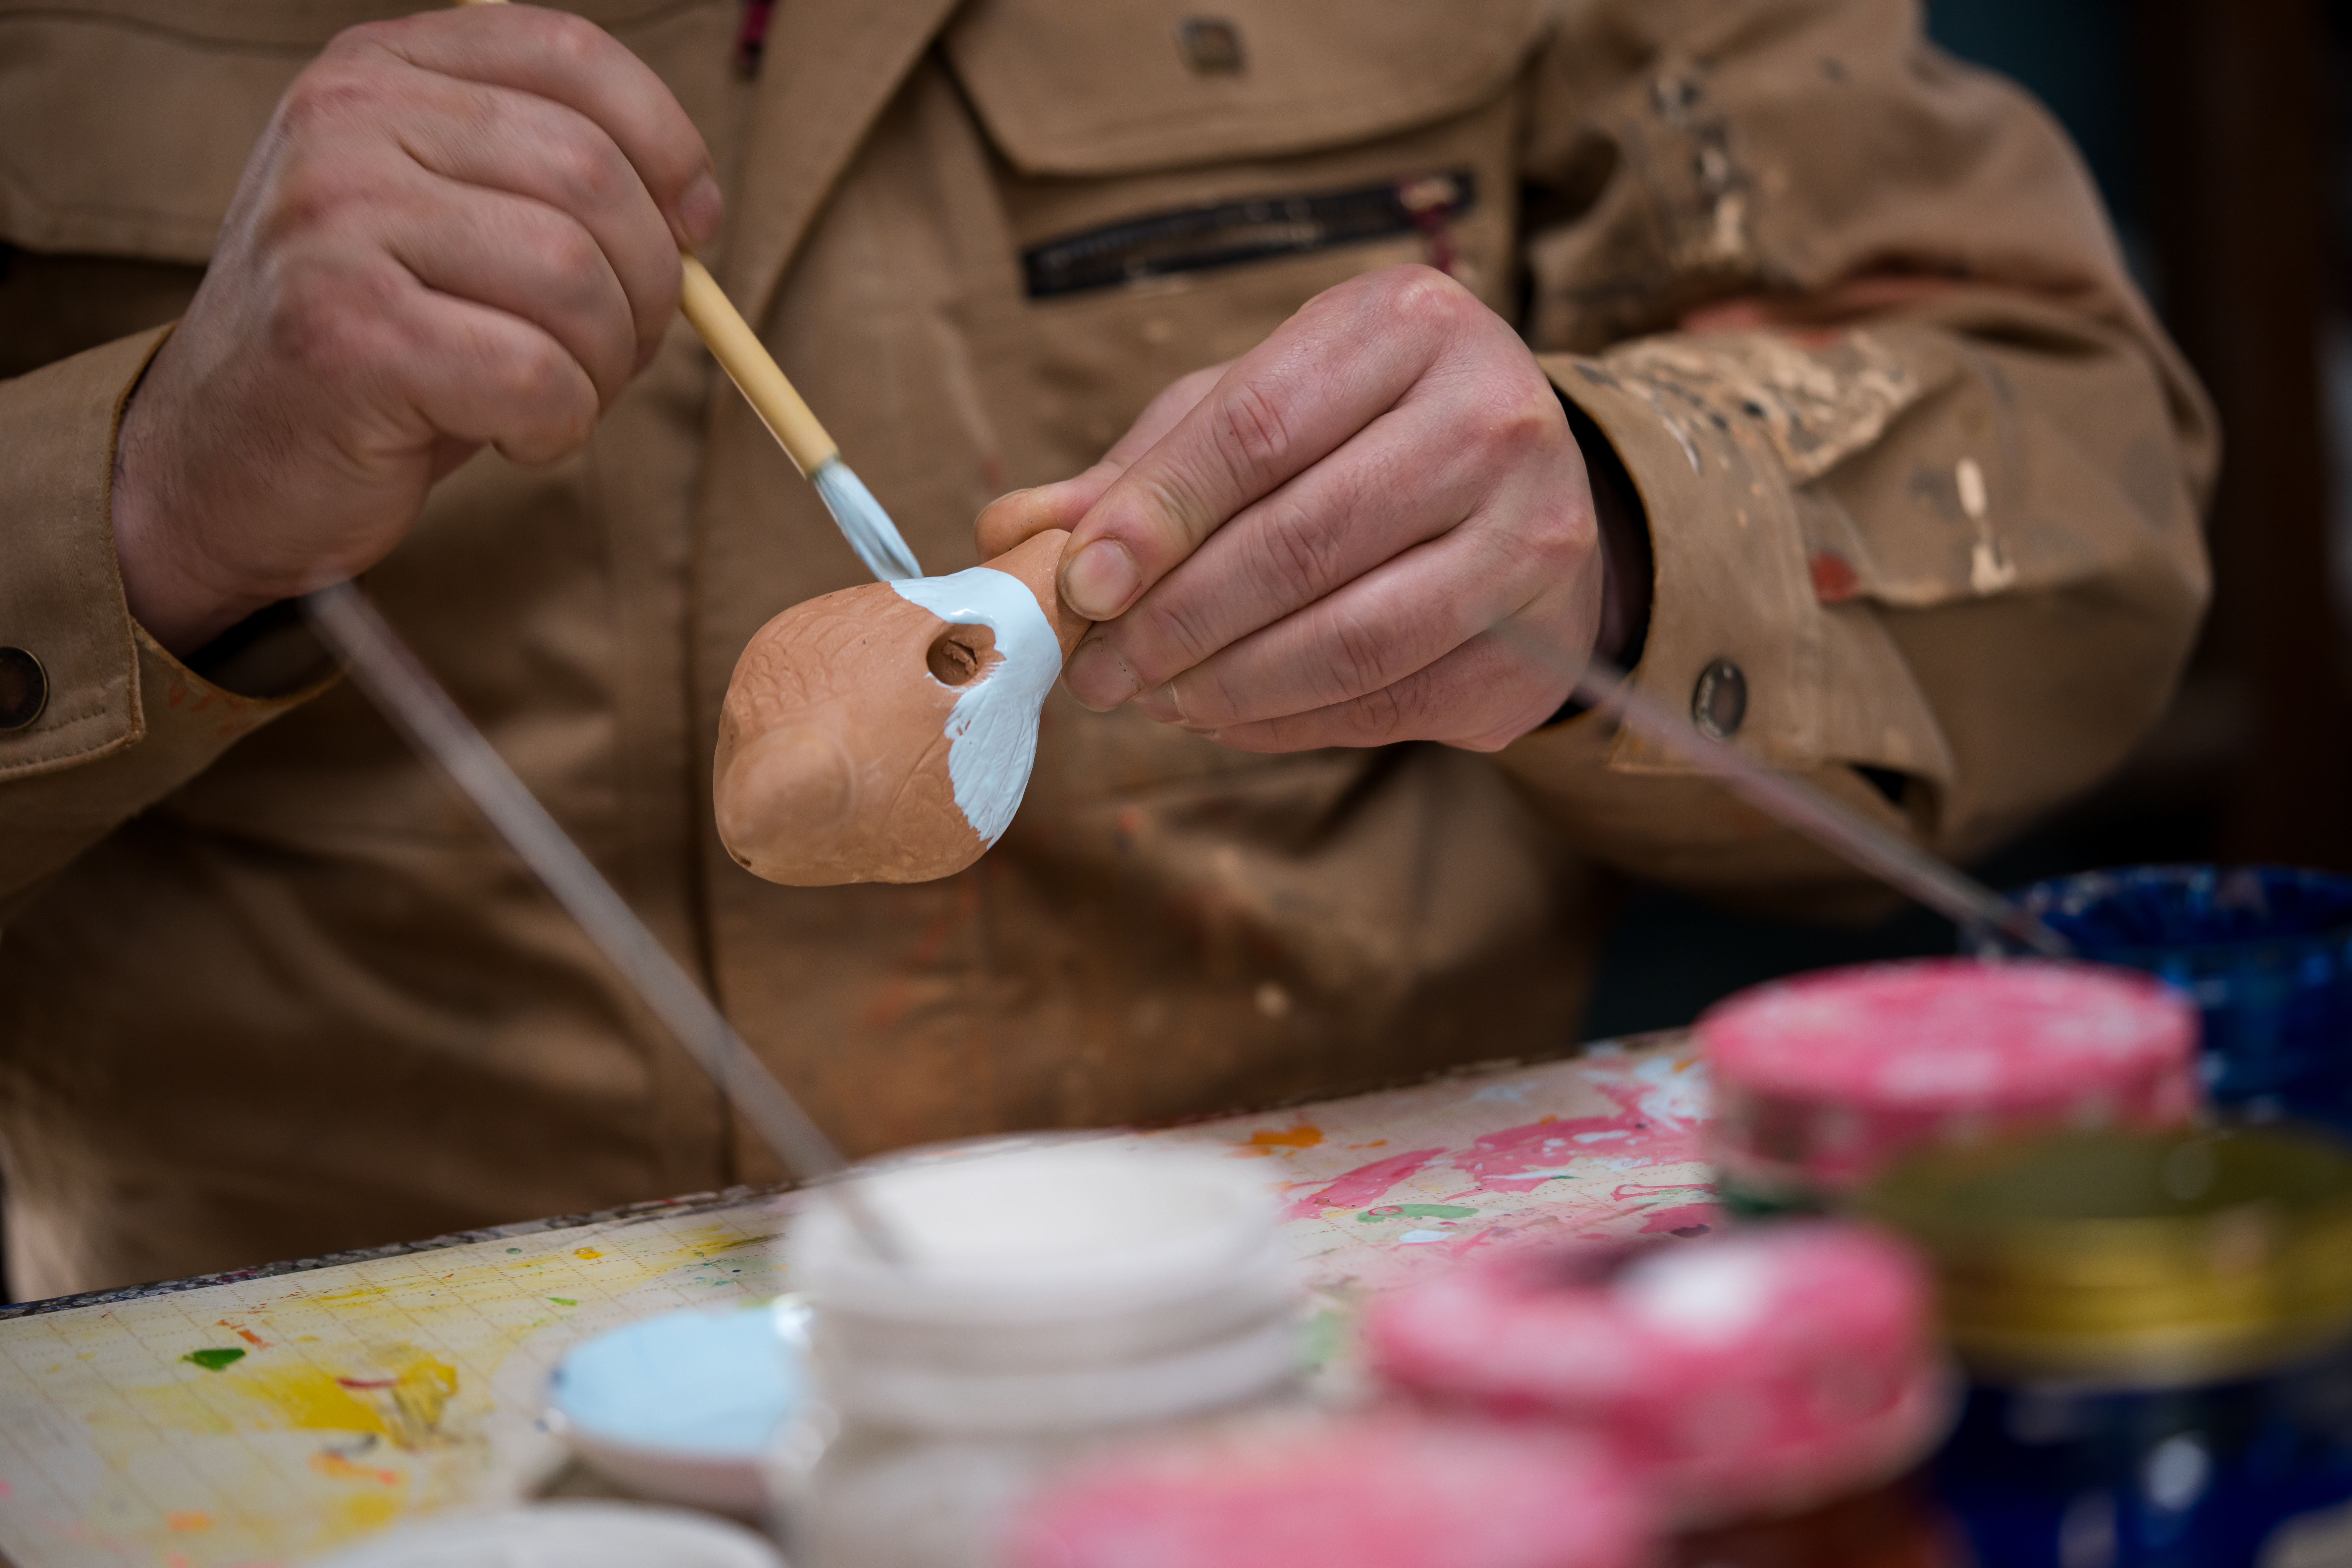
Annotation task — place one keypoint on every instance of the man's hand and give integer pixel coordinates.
(460, 227)
(1373, 527)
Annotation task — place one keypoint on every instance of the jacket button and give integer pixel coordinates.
(24, 688)
(1720, 701)
(1212, 46)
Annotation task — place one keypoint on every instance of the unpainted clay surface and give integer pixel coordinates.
(841, 723)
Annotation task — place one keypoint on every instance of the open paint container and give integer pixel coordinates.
(1051, 1298)
(683, 1407)
(2263, 952)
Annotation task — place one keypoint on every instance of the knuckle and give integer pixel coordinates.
(1301, 548)
(1382, 713)
(573, 255)
(1421, 296)
(1516, 426)
(1251, 425)
(569, 39)
(588, 173)
(1354, 667)
(1181, 635)
(330, 93)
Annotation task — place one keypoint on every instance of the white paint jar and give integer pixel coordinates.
(1054, 1298)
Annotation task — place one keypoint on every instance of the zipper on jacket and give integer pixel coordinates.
(1228, 234)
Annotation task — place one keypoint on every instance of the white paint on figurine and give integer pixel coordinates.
(993, 730)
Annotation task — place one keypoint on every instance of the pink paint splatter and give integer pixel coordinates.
(1520, 1159)
(1363, 1186)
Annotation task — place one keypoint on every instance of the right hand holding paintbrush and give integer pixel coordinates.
(459, 228)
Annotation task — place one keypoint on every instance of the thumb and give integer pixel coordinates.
(1010, 519)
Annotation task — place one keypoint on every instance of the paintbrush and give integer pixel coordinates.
(786, 413)
(407, 695)
(1820, 817)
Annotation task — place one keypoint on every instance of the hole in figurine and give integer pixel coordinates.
(959, 654)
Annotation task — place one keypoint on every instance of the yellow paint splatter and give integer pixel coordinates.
(342, 1469)
(368, 1512)
(410, 1401)
(1267, 1141)
(589, 1253)
(194, 1520)
(402, 1403)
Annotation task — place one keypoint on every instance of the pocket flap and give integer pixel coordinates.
(1117, 85)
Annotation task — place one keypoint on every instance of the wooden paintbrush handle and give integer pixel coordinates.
(747, 361)
(745, 358)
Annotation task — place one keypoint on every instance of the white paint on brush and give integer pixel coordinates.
(993, 730)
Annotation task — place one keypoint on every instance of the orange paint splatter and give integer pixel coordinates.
(194, 1520)
(1267, 1141)
(590, 1253)
(248, 1335)
(342, 1469)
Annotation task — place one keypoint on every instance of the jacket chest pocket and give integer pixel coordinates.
(1176, 177)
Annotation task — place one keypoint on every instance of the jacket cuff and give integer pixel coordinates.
(1733, 637)
(109, 687)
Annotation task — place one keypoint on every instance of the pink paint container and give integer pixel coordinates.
(1776, 1385)
(1823, 1083)
(1387, 1491)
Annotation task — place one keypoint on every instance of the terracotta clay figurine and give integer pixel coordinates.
(885, 733)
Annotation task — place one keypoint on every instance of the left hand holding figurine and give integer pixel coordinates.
(1375, 526)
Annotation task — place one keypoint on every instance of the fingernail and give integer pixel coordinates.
(1160, 703)
(1098, 678)
(701, 207)
(1100, 580)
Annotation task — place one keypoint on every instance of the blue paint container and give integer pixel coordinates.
(2264, 952)
(684, 1407)
(2158, 1334)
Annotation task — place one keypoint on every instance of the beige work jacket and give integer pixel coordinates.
(267, 988)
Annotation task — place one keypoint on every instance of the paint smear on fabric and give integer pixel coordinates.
(993, 730)
(216, 1359)
(1365, 1185)
(1416, 1211)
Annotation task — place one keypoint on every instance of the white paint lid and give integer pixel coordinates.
(566, 1535)
(1035, 1234)
(1049, 1287)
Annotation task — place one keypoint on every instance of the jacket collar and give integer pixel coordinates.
(828, 68)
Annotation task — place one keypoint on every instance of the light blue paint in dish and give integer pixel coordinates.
(715, 1384)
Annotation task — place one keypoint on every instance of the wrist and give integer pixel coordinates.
(172, 590)
(1627, 565)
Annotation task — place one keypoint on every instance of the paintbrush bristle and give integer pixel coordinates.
(864, 523)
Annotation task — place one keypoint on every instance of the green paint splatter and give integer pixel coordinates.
(214, 1360)
(563, 1300)
(1414, 1211)
(514, 1249)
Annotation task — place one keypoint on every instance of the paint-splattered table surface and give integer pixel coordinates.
(269, 1419)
